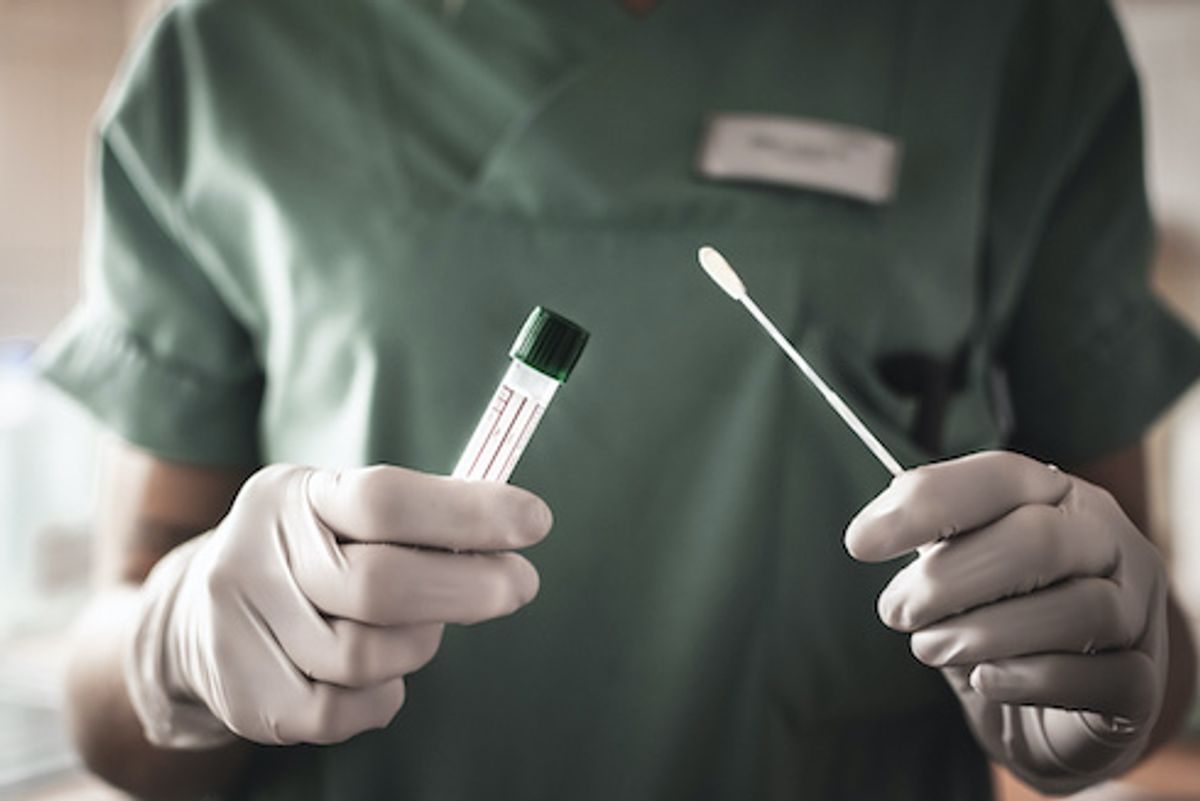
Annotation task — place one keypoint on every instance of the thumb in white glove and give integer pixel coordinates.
(1042, 603)
(296, 619)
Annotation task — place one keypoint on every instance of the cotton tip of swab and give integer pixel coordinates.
(718, 270)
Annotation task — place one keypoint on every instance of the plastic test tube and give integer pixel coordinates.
(543, 355)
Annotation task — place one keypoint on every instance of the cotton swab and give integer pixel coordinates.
(720, 271)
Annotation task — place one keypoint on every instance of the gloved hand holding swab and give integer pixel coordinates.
(720, 271)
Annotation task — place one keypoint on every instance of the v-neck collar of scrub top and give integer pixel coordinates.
(403, 46)
(600, 31)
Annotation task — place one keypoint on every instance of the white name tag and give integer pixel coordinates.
(804, 153)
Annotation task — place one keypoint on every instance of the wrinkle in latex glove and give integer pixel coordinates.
(1041, 602)
(298, 617)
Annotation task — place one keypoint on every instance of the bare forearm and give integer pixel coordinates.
(106, 730)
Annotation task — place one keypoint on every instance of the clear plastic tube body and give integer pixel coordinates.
(507, 424)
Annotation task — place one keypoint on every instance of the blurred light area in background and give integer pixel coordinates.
(46, 496)
(47, 458)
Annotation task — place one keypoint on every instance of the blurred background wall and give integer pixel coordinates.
(56, 58)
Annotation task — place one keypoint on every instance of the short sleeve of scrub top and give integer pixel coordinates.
(1090, 354)
(155, 350)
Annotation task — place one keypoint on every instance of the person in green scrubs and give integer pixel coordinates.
(317, 225)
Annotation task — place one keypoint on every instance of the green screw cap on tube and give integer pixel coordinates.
(549, 343)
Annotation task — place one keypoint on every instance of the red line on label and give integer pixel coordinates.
(500, 446)
(513, 454)
(499, 403)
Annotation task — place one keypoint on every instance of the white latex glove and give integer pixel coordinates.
(296, 619)
(1042, 603)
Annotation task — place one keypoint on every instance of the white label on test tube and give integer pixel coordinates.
(506, 426)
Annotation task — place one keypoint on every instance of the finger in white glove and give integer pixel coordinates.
(297, 618)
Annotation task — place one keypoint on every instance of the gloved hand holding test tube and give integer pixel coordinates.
(1042, 604)
(307, 635)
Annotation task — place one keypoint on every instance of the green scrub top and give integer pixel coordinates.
(318, 225)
